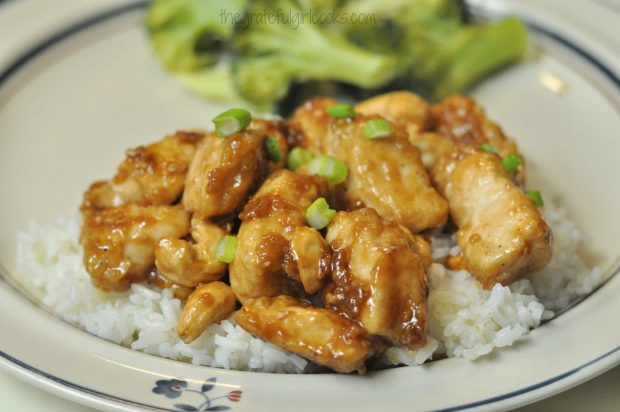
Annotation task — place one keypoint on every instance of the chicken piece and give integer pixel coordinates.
(309, 125)
(456, 262)
(501, 233)
(208, 304)
(222, 175)
(226, 171)
(320, 335)
(268, 224)
(385, 174)
(412, 112)
(457, 121)
(157, 279)
(151, 175)
(421, 247)
(465, 124)
(401, 107)
(309, 259)
(432, 146)
(119, 242)
(187, 264)
(378, 276)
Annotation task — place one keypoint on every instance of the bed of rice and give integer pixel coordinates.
(465, 320)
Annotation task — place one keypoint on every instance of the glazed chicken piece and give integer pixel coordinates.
(309, 259)
(119, 242)
(378, 276)
(309, 125)
(226, 171)
(502, 234)
(436, 130)
(208, 304)
(157, 279)
(401, 107)
(413, 113)
(464, 122)
(264, 264)
(150, 175)
(190, 264)
(222, 176)
(432, 146)
(320, 335)
(385, 174)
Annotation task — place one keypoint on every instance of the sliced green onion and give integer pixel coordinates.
(225, 249)
(319, 214)
(341, 110)
(272, 144)
(377, 129)
(488, 148)
(231, 121)
(511, 162)
(334, 170)
(536, 197)
(298, 157)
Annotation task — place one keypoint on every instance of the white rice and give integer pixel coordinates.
(464, 319)
(143, 318)
(567, 276)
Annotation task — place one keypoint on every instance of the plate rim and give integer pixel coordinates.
(21, 368)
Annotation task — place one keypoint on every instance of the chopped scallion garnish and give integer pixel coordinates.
(488, 148)
(511, 162)
(272, 145)
(377, 129)
(334, 170)
(319, 214)
(231, 121)
(341, 110)
(298, 157)
(225, 249)
(536, 197)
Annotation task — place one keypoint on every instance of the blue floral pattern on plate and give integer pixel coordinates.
(175, 388)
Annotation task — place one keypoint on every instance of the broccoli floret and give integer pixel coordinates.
(298, 50)
(268, 45)
(324, 6)
(216, 83)
(189, 34)
(476, 51)
(263, 79)
(392, 20)
(450, 59)
(384, 35)
(438, 54)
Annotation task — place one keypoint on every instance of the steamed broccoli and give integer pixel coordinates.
(252, 51)
(189, 34)
(438, 53)
(470, 54)
(276, 54)
(262, 79)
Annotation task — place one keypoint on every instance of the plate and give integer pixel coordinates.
(78, 85)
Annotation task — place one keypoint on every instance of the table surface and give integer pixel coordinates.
(598, 395)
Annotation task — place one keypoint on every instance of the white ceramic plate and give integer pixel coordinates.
(78, 85)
